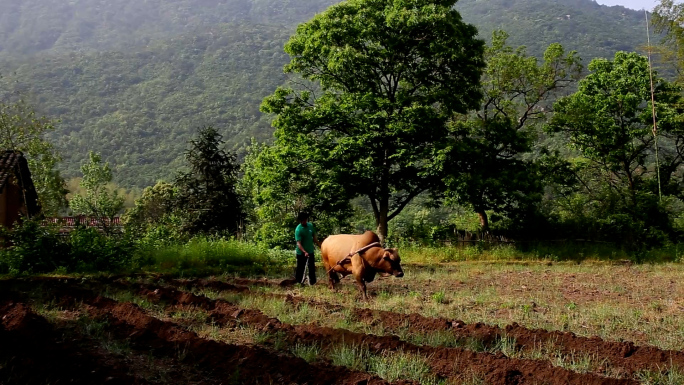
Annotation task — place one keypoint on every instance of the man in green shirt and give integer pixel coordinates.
(305, 236)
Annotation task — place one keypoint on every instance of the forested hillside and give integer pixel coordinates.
(133, 79)
(140, 109)
(31, 26)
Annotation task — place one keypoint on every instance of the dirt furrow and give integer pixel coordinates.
(242, 364)
(625, 356)
(33, 352)
(445, 362)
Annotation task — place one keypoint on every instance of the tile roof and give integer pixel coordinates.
(13, 163)
(8, 165)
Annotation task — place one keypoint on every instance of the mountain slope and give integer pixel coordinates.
(133, 79)
(34, 26)
(140, 109)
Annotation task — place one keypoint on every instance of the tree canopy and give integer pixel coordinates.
(384, 77)
(487, 169)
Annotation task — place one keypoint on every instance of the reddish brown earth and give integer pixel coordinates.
(35, 341)
(444, 362)
(32, 352)
(624, 357)
(243, 364)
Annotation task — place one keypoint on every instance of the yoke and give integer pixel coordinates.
(359, 251)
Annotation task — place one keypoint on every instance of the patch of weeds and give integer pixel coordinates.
(127, 296)
(393, 366)
(92, 328)
(581, 363)
(190, 315)
(439, 297)
(279, 341)
(507, 346)
(261, 338)
(182, 352)
(672, 376)
(354, 357)
(442, 338)
(346, 321)
(475, 344)
(308, 353)
(117, 347)
(304, 314)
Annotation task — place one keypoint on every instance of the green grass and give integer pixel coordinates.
(204, 255)
(309, 353)
(391, 366)
(541, 251)
(657, 377)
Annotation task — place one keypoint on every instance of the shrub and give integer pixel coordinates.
(93, 251)
(30, 248)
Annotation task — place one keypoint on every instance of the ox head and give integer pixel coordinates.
(390, 264)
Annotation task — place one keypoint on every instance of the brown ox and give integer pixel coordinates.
(336, 251)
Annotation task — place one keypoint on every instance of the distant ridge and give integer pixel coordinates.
(131, 79)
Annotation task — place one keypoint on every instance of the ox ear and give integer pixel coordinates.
(387, 255)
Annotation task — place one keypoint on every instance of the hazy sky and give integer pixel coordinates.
(634, 4)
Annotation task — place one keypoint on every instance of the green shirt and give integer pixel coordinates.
(305, 235)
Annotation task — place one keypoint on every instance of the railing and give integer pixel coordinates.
(70, 223)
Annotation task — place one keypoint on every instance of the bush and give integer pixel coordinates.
(209, 253)
(93, 251)
(32, 248)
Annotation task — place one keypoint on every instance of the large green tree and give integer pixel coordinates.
(488, 168)
(381, 80)
(207, 193)
(282, 184)
(609, 122)
(98, 200)
(23, 130)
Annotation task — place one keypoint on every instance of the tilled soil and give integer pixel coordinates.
(32, 352)
(36, 342)
(218, 361)
(624, 357)
(445, 362)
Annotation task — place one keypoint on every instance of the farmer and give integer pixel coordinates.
(305, 235)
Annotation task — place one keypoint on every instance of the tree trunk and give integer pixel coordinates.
(484, 220)
(382, 229)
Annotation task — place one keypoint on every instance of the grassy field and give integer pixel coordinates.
(615, 300)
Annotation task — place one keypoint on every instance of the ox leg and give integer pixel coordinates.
(332, 275)
(358, 269)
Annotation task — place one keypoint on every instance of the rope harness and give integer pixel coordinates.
(348, 257)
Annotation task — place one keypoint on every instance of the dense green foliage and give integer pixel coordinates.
(137, 109)
(32, 248)
(98, 201)
(128, 79)
(21, 129)
(487, 168)
(391, 73)
(206, 193)
(279, 183)
(609, 122)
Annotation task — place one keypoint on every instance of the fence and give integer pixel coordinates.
(66, 224)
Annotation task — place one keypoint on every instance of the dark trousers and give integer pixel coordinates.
(301, 264)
